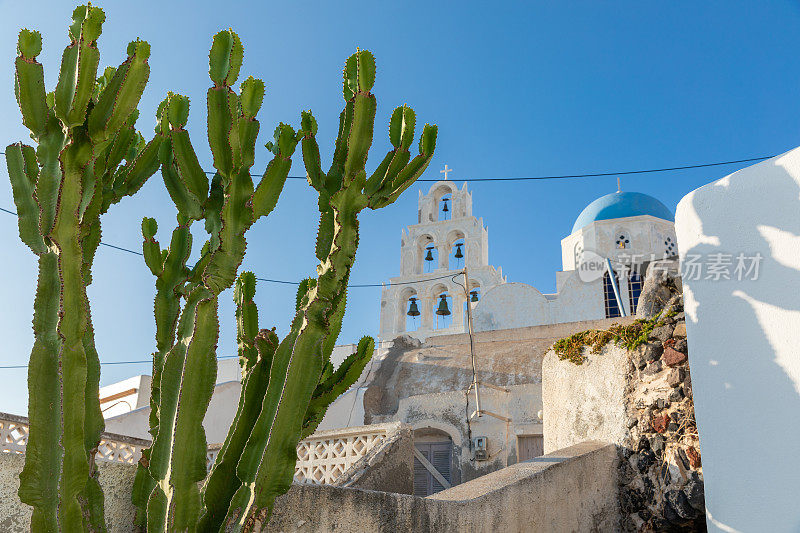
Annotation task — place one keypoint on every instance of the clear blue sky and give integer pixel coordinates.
(517, 89)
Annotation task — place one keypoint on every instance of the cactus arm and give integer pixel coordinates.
(225, 60)
(246, 319)
(390, 191)
(266, 194)
(76, 80)
(360, 138)
(250, 102)
(94, 425)
(23, 171)
(237, 216)
(121, 96)
(401, 135)
(171, 273)
(139, 170)
(222, 481)
(177, 457)
(29, 82)
(311, 158)
(39, 479)
(337, 384)
(186, 202)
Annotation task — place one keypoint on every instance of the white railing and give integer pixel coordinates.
(326, 455)
(321, 458)
(113, 447)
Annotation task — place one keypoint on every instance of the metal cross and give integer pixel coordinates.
(445, 171)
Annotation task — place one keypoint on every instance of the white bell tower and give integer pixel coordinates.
(433, 253)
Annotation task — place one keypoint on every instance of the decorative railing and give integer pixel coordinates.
(113, 447)
(321, 458)
(326, 455)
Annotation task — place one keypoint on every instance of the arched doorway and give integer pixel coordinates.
(433, 461)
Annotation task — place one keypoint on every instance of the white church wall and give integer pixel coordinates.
(578, 300)
(511, 305)
(743, 339)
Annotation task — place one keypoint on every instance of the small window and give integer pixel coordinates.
(578, 254)
(612, 307)
(634, 290)
(669, 247)
(623, 241)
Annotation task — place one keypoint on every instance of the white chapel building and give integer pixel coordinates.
(624, 227)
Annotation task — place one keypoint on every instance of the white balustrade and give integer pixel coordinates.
(321, 458)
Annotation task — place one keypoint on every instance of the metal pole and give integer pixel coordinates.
(472, 345)
(613, 279)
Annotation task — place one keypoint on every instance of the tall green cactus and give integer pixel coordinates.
(83, 130)
(301, 381)
(184, 369)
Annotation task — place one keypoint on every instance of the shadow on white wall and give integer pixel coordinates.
(744, 342)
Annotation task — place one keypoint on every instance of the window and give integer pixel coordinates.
(578, 254)
(623, 241)
(634, 290)
(612, 308)
(669, 247)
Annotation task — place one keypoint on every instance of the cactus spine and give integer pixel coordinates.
(84, 130)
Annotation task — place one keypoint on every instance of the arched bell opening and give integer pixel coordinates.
(428, 255)
(457, 254)
(413, 313)
(472, 298)
(442, 310)
(438, 193)
(409, 317)
(446, 207)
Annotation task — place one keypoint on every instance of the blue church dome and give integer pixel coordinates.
(621, 205)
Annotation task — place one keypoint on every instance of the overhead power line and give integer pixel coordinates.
(522, 178)
(570, 176)
(266, 280)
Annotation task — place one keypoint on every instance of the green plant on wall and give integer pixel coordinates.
(287, 384)
(88, 156)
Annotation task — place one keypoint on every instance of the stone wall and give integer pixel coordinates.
(640, 400)
(427, 386)
(115, 478)
(389, 466)
(573, 489)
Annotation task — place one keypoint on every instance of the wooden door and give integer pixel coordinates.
(529, 446)
(439, 455)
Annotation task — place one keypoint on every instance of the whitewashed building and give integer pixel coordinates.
(624, 227)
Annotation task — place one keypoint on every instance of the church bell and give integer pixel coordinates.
(413, 310)
(474, 295)
(443, 309)
(445, 209)
(429, 256)
(458, 254)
